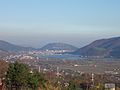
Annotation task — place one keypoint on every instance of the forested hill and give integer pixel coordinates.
(103, 47)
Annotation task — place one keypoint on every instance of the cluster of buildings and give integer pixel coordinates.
(49, 52)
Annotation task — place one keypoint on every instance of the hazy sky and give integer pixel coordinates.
(78, 22)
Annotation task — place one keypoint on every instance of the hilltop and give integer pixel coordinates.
(59, 46)
(103, 47)
(6, 46)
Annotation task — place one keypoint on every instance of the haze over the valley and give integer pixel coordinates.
(36, 23)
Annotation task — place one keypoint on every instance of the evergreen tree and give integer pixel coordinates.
(19, 77)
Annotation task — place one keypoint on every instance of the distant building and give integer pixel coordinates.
(26, 57)
(109, 86)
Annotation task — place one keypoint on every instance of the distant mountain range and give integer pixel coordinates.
(103, 47)
(5, 46)
(8, 47)
(59, 46)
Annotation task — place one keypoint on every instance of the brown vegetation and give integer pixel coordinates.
(3, 68)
